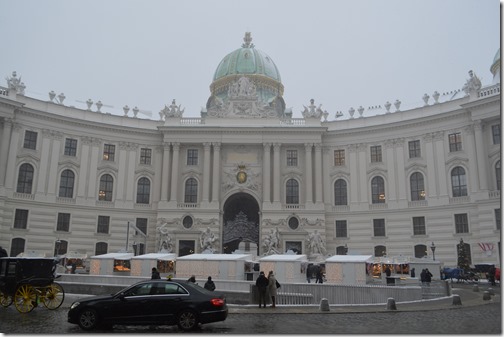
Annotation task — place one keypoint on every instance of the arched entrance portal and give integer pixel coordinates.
(241, 222)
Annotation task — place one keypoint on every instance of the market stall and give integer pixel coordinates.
(141, 265)
(75, 263)
(111, 264)
(347, 269)
(218, 266)
(287, 267)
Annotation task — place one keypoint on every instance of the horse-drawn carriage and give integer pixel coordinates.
(27, 282)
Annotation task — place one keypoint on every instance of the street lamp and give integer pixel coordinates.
(346, 249)
(433, 248)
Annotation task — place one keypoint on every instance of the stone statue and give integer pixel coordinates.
(172, 111)
(207, 240)
(272, 242)
(14, 83)
(473, 84)
(312, 111)
(316, 244)
(165, 240)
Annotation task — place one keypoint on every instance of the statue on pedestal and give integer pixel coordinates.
(207, 240)
(165, 240)
(316, 244)
(272, 242)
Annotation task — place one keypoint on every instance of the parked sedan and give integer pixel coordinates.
(149, 303)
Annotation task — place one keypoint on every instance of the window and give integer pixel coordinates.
(341, 229)
(377, 190)
(106, 188)
(109, 152)
(143, 191)
(21, 219)
(414, 149)
(101, 248)
(459, 184)
(420, 251)
(498, 218)
(498, 174)
(66, 184)
(292, 157)
(70, 147)
(141, 224)
(192, 157)
(103, 224)
(378, 227)
(376, 155)
(340, 192)
(293, 223)
(455, 141)
(30, 140)
(60, 247)
(187, 222)
(292, 192)
(417, 186)
(145, 156)
(339, 157)
(25, 179)
(419, 225)
(17, 246)
(63, 224)
(191, 191)
(461, 223)
(380, 251)
(496, 134)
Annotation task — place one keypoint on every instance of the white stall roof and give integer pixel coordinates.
(283, 257)
(156, 256)
(350, 258)
(215, 257)
(115, 256)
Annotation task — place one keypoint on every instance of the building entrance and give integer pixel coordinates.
(241, 222)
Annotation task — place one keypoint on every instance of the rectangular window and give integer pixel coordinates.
(145, 156)
(63, 222)
(339, 157)
(292, 157)
(461, 223)
(455, 141)
(103, 224)
(192, 157)
(496, 134)
(498, 218)
(30, 140)
(21, 218)
(109, 152)
(414, 149)
(376, 155)
(341, 229)
(141, 224)
(419, 225)
(70, 147)
(379, 227)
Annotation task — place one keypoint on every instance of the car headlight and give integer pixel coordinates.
(74, 305)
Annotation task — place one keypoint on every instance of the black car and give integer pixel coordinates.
(151, 302)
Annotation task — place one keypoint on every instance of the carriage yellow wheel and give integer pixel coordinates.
(5, 300)
(25, 298)
(54, 296)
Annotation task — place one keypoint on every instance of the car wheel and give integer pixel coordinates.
(187, 320)
(88, 319)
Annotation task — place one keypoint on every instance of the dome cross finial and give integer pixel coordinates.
(248, 41)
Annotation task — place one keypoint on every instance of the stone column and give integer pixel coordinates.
(480, 155)
(276, 172)
(10, 173)
(439, 148)
(353, 188)
(309, 174)
(318, 173)
(266, 172)
(206, 172)
(390, 185)
(432, 186)
(216, 172)
(326, 168)
(165, 172)
(473, 155)
(364, 182)
(4, 148)
(175, 167)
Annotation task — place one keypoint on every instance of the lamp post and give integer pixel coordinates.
(58, 243)
(346, 249)
(433, 248)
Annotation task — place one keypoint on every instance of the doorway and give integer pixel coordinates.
(240, 222)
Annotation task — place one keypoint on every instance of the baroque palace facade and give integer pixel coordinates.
(393, 183)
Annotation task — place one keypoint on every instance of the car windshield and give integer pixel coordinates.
(153, 288)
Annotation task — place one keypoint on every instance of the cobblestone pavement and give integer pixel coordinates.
(474, 316)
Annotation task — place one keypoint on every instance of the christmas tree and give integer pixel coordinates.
(462, 260)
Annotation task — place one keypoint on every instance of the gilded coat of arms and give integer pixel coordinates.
(241, 176)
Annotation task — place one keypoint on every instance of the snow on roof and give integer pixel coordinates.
(116, 256)
(215, 257)
(350, 258)
(283, 257)
(156, 256)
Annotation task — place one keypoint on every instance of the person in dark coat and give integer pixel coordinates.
(3, 252)
(319, 278)
(262, 284)
(155, 274)
(209, 285)
(412, 272)
(422, 276)
(192, 279)
(428, 276)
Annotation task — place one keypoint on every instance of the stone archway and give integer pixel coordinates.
(240, 222)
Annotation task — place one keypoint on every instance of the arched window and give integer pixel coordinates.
(292, 192)
(377, 190)
(60, 247)
(459, 183)
(106, 187)
(498, 175)
(417, 186)
(66, 184)
(340, 192)
(25, 179)
(101, 248)
(420, 251)
(17, 246)
(380, 251)
(143, 191)
(191, 191)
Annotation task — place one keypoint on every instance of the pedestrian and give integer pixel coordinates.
(74, 267)
(209, 285)
(155, 274)
(422, 276)
(308, 274)
(319, 277)
(192, 279)
(262, 284)
(412, 272)
(428, 276)
(272, 287)
(491, 275)
(3, 252)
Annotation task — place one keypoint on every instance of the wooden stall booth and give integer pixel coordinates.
(348, 269)
(141, 265)
(111, 264)
(218, 266)
(288, 268)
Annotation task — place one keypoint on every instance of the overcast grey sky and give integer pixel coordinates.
(341, 53)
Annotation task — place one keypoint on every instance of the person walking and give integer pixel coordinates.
(155, 274)
(262, 284)
(272, 287)
(428, 276)
(209, 285)
(192, 279)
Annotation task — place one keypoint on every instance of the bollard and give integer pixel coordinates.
(391, 305)
(456, 300)
(475, 288)
(491, 291)
(324, 304)
(486, 296)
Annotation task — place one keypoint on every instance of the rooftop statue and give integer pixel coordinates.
(473, 84)
(172, 111)
(14, 83)
(312, 111)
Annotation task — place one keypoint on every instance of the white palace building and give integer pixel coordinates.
(383, 181)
